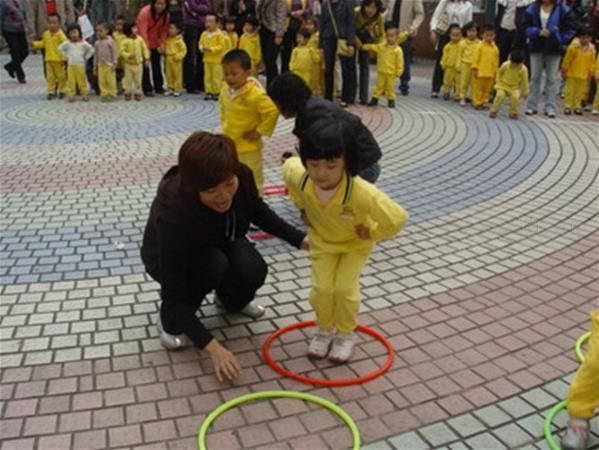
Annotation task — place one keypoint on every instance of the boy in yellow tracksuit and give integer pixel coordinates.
(389, 66)
(577, 69)
(346, 215)
(105, 61)
(246, 112)
(54, 61)
(317, 73)
(512, 80)
(450, 62)
(583, 395)
(175, 50)
(484, 67)
(467, 47)
(303, 57)
(213, 44)
(119, 36)
(135, 55)
(250, 42)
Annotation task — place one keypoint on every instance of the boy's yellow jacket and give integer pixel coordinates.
(510, 78)
(451, 55)
(302, 58)
(118, 40)
(486, 60)
(175, 48)
(251, 44)
(134, 51)
(50, 42)
(467, 49)
(389, 58)
(233, 39)
(578, 62)
(216, 44)
(249, 108)
(357, 202)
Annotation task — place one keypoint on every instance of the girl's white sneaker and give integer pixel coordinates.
(343, 347)
(320, 344)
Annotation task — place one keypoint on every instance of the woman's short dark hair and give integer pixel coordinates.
(290, 92)
(330, 138)
(206, 160)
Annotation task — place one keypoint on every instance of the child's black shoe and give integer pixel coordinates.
(373, 101)
(60, 95)
(50, 96)
(391, 104)
(446, 96)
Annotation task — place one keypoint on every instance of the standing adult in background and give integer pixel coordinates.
(241, 10)
(13, 24)
(446, 13)
(297, 10)
(370, 28)
(550, 25)
(38, 10)
(194, 18)
(175, 11)
(272, 15)
(337, 23)
(509, 23)
(406, 15)
(152, 25)
(101, 11)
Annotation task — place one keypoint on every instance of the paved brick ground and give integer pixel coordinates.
(483, 295)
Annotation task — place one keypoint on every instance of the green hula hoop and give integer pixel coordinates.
(579, 343)
(278, 394)
(549, 421)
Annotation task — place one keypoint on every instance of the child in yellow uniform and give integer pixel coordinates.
(317, 74)
(346, 215)
(484, 67)
(250, 42)
(512, 80)
(231, 33)
(119, 36)
(577, 69)
(467, 47)
(213, 44)
(175, 50)
(596, 100)
(135, 55)
(583, 395)
(302, 57)
(389, 66)
(54, 61)
(77, 51)
(105, 61)
(246, 112)
(450, 62)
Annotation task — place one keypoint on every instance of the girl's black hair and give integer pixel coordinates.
(330, 138)
(290, 92)
(378, 3)
(128, 28)
(469, 26)
(74, 26)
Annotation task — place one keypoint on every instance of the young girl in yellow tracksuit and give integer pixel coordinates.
(213, 45)
(389, 65)
(577, 69)
(246, 113)
(135, 54)
(484, 67)
(250, 42)
(346, 215)
(512, 81)
(450, 62)
(77, 51)
(583, 395)
(54, 61)
(317, 73)
(467, 47)
(302, 57)
(175, 50)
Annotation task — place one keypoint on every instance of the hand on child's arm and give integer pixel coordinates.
(363, 231)
(305, 245)
(251, 135)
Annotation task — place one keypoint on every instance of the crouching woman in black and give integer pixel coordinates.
(194, 243)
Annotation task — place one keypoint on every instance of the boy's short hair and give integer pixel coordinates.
(289, 92)
(305, 33)
(517, 56)
(585, 30)
(330, 138)
(313, 19)
(103, 25)
(488, 28)
(128, 28)
(177, 25)
(453, 26)
(240, 56)
(74, 26)
(469, 26)
(389, 25)
(55, 15)
(252, 21)
(213, 15)
(206, 160)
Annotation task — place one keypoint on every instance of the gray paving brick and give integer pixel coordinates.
(466, 425)
(485, 441)
(409, 440)
(512, 435)
(438, 434)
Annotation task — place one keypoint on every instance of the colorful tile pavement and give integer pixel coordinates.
(482, 296)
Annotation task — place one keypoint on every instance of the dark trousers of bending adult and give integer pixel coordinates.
(156, 83)
(193, 64)
(235, 271)
(270, 53)
(289, 39)
(348, 72)
(438, 74)
(404, 80)
(364, 75)
(19, 49)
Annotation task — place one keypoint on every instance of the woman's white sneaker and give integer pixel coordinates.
(320, 344)
(343, 347)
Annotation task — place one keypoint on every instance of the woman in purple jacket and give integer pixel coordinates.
(194, 15)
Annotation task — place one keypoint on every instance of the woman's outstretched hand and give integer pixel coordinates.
(225, 364)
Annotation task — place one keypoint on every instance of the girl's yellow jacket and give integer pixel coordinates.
(175, 48)
(486, 60)
(50, 42)
(332, 227)
(134, 51)
(467, 48)
(251, 44)
(578, 62)
(451, 55)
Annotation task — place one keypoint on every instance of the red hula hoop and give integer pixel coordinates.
(260, 236)
(319, 381)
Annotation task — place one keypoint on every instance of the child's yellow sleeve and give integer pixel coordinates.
(39, 44)
(180, 50)
(476, 57)
(258, 50)
(402, 37)
(293, 62)
(445, 57)
(570, 53)
(221, 104)
(220, 43)
(597, 69)
(269, 114)
(524, 81)
(370, 48)
(124, 50)
(399, 63)
(202, 41)
(388, 216)
(144, 49)
(293, 171)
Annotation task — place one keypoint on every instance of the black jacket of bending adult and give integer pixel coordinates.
(179, 226)
(369, 151)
